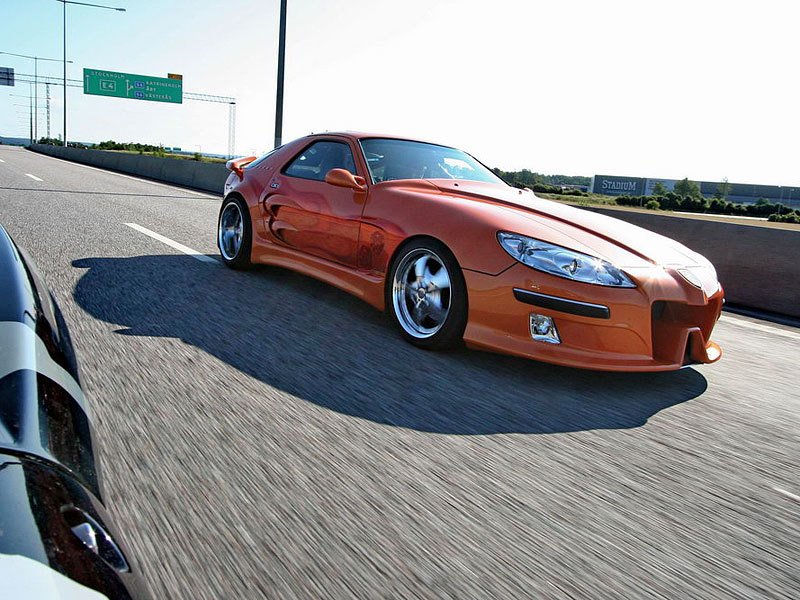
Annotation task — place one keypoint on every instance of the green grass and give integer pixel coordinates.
(205, 159)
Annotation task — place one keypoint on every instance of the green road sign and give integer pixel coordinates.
(136, 87)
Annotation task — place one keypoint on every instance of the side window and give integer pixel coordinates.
(319, 158)
(262, 158)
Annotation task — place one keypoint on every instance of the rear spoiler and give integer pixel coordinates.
(238, 164)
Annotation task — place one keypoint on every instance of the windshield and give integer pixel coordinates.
(402, 159)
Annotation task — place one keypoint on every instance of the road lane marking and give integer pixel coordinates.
(759, 327)
(34, 177)
(207, 195)
(789, 495)
(172, 243)
(1, 160)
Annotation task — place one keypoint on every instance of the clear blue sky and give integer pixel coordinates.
(700, 89)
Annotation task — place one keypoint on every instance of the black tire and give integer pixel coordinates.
(403, 295)
(239, 257)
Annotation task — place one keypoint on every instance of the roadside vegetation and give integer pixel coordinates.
(686, 197)
(672, 201)
(136, 148)
(565, 185)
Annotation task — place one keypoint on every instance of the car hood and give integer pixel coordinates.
(608, 238)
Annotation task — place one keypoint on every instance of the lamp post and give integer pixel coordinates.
(64, 3)
(281, 60)
(35, 60)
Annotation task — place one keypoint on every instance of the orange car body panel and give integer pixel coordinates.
(348, 238)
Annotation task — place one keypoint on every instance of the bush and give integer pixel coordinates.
(572, 192)
(670, 201)
(694, 204)
(112, 145)
(652, 205)
(544, 188)
(630, 200)
(717, 206)
(763, 208)
(792, 217)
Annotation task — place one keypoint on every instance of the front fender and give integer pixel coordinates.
(398, 210)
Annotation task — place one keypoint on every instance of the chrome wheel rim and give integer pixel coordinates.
(421, 293)
(231, 230)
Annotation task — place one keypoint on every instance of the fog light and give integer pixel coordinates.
(543, 329)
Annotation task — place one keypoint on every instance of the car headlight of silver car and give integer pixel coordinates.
(562, 262)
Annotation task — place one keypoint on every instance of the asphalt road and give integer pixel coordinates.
(265, 435)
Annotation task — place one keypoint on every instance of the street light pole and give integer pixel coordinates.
(64, 3)
(36, 96)
(281, 60)
(47, 90)
(65, 73)
(37, 108)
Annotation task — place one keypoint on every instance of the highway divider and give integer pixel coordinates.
(209, 177)
(759, 267)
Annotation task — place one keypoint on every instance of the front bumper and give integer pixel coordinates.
(663, 324)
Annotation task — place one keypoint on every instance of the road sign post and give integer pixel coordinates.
(136, 87)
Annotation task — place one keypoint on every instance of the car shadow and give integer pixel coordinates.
(325, 346)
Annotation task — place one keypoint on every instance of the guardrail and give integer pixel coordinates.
(209, 177)
(758, 266)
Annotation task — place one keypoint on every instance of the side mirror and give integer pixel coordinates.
(344, 178)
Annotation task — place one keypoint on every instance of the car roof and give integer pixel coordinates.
(362, 135)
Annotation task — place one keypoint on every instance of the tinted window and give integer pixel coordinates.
(319, 158)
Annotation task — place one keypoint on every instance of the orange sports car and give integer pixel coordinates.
(454, 253)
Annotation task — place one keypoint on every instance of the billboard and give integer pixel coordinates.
(747, 193)
(614, 185)
(651, 183)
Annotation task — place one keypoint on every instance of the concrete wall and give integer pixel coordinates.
(188, 173)
(759, 267)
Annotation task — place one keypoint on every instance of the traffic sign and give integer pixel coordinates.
(137, 87)
(6, 76)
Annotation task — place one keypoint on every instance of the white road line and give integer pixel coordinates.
(789, 495)
(34, 177)
(1, 160)
(759, 327)
(207, 195)
(180, 247)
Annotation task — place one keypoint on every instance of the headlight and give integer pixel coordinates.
(562, 261)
